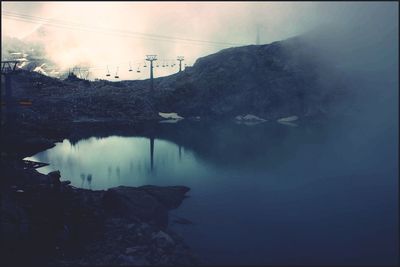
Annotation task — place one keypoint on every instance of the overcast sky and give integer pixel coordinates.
(116, 33)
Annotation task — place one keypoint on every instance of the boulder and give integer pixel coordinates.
(162, 240)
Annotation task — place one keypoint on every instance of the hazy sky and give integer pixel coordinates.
(116, 33)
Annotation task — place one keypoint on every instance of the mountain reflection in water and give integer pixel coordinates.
(261, 194)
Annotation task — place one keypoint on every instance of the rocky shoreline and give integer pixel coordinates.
(48, 222)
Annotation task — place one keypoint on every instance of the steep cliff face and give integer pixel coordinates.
(274, 80)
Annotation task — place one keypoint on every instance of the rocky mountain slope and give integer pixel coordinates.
(271, 81)
(275, 80)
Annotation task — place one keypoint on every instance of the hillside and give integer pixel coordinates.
(271, 81)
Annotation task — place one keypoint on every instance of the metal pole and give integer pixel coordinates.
(151, 76)
(180, 59)
(151, 153)
(8, 67)
(8, 97)
(151, 58)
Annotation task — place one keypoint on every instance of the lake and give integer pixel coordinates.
(268, 194)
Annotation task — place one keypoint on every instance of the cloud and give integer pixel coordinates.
(214, 21)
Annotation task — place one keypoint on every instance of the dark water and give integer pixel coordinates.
(262, 194)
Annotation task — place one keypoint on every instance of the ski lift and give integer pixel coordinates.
(108, 72)
(116, 74)
(163, 64)
(145, 64)
(138, 68)
(130, 67)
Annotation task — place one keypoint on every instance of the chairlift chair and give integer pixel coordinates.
(116, 74)
(108, 72)
(130, 67)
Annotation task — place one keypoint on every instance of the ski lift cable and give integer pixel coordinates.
(71, 23)
(57, 23)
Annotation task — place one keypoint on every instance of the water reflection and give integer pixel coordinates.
(82, 161)
(89, 181)
(109, 172)
(83, 179)
(268, 184)
(151, 153)
(173, 153)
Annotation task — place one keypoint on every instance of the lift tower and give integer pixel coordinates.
(8, 68)
(180, 59)
(151, 58)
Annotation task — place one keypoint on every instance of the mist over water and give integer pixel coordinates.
(263, 194)
(314, 194)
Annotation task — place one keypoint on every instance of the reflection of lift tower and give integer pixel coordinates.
(151, 58)
(180, 59)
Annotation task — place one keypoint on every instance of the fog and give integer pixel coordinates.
(95, 34)
(359, 40)
(331, 196)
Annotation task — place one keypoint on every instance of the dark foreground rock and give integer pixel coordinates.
(48, 222)
(149, 203)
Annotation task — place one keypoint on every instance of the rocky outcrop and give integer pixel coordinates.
(148, 203)
(47, 221)
(270, 81)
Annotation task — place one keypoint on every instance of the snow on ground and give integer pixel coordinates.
(172, 115)
(40, 70)
(22, 64)
(249, 119)
(288, 119)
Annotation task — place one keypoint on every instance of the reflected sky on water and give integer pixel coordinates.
(115, 160)
(262, 194)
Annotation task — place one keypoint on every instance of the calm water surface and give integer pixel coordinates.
(262, 194)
